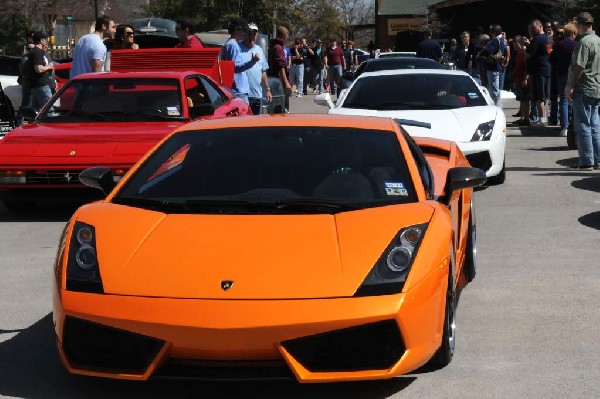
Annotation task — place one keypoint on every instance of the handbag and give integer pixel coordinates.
(496, 58)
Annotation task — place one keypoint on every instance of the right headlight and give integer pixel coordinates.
(484, 131)
(391, 269)
(83, 270)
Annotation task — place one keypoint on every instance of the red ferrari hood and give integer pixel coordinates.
(263, 256)
(81, 143)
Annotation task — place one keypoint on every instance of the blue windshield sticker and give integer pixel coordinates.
(173, 111)
(395, 188)
(473, 95)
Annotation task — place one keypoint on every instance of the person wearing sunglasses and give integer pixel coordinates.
(124, 38)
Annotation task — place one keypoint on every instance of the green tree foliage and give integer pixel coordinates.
(302, 17)
(12, 36)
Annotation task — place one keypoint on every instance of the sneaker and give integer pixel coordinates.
(517, 115)
(299, 95)
(539, 124)
(563, 132)
(523, 122)
(581, 168)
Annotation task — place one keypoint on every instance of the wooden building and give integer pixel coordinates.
(399, 23)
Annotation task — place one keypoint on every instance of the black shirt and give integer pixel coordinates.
(38, 57)
(429, 48)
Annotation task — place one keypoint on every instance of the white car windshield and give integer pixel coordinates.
(414, 91)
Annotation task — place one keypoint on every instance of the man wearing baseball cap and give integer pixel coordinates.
(257, 75)
(583, 88)
(40, 70)
(231, 51)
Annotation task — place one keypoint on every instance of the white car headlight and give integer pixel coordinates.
(484, 131)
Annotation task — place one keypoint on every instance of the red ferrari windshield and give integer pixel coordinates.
(116, 100)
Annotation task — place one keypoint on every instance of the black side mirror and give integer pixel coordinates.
(463, 177)
(348, 75)
(98, 177)
(28, 113)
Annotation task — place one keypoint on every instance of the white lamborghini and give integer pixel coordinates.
(450, 103)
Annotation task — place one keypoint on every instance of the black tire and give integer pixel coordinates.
(19, 206)
(443, 356)
(499, 178)
(571, 141)
(470, 267)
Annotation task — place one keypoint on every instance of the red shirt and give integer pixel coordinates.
(520, 71)
(335, 56)
(192, 42)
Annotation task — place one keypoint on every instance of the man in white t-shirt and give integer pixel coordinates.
(257, 75)
(90, 51)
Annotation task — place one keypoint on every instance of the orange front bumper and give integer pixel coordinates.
(253, 330)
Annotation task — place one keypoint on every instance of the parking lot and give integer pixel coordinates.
(526, 325)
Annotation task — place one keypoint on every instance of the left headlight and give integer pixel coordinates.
(391, 269)
(13, 177)
(83, 270)
(484, 131)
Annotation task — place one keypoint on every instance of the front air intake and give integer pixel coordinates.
(374, 346)
(97, 347)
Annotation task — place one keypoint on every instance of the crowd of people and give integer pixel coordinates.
(553, 70)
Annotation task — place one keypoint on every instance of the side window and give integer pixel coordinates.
(214, 94)
(198, 100)
(422, 165)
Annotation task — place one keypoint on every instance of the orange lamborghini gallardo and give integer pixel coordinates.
(314, 247)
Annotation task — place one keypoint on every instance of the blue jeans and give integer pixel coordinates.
(493, 78)
(40, 96)
(256, 104)
(25, 103)
(297, 77)
(564, 107)
(586, 122)
(318, 79)
(335, 74)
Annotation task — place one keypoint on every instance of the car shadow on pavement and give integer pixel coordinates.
(29, 368)
(50, 212)
(591, 220)
(531, 131)
(551, 149)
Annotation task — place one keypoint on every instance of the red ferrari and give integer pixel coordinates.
(109, 119)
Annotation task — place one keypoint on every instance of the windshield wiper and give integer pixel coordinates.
(89, 115)
(314, 204)
(153, 204)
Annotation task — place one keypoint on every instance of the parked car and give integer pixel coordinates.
(389, 63)
(321, 249)
(109, 118)
(9, 74)
(452, 102)
(7, 114)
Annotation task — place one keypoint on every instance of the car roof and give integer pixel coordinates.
(291, 120)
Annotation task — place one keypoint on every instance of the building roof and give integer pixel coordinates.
(405, 7)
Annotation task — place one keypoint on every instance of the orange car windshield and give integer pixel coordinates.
(256, 170)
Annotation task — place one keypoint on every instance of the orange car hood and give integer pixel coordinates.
(265, 256)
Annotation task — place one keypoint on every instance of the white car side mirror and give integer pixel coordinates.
(324, 99)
